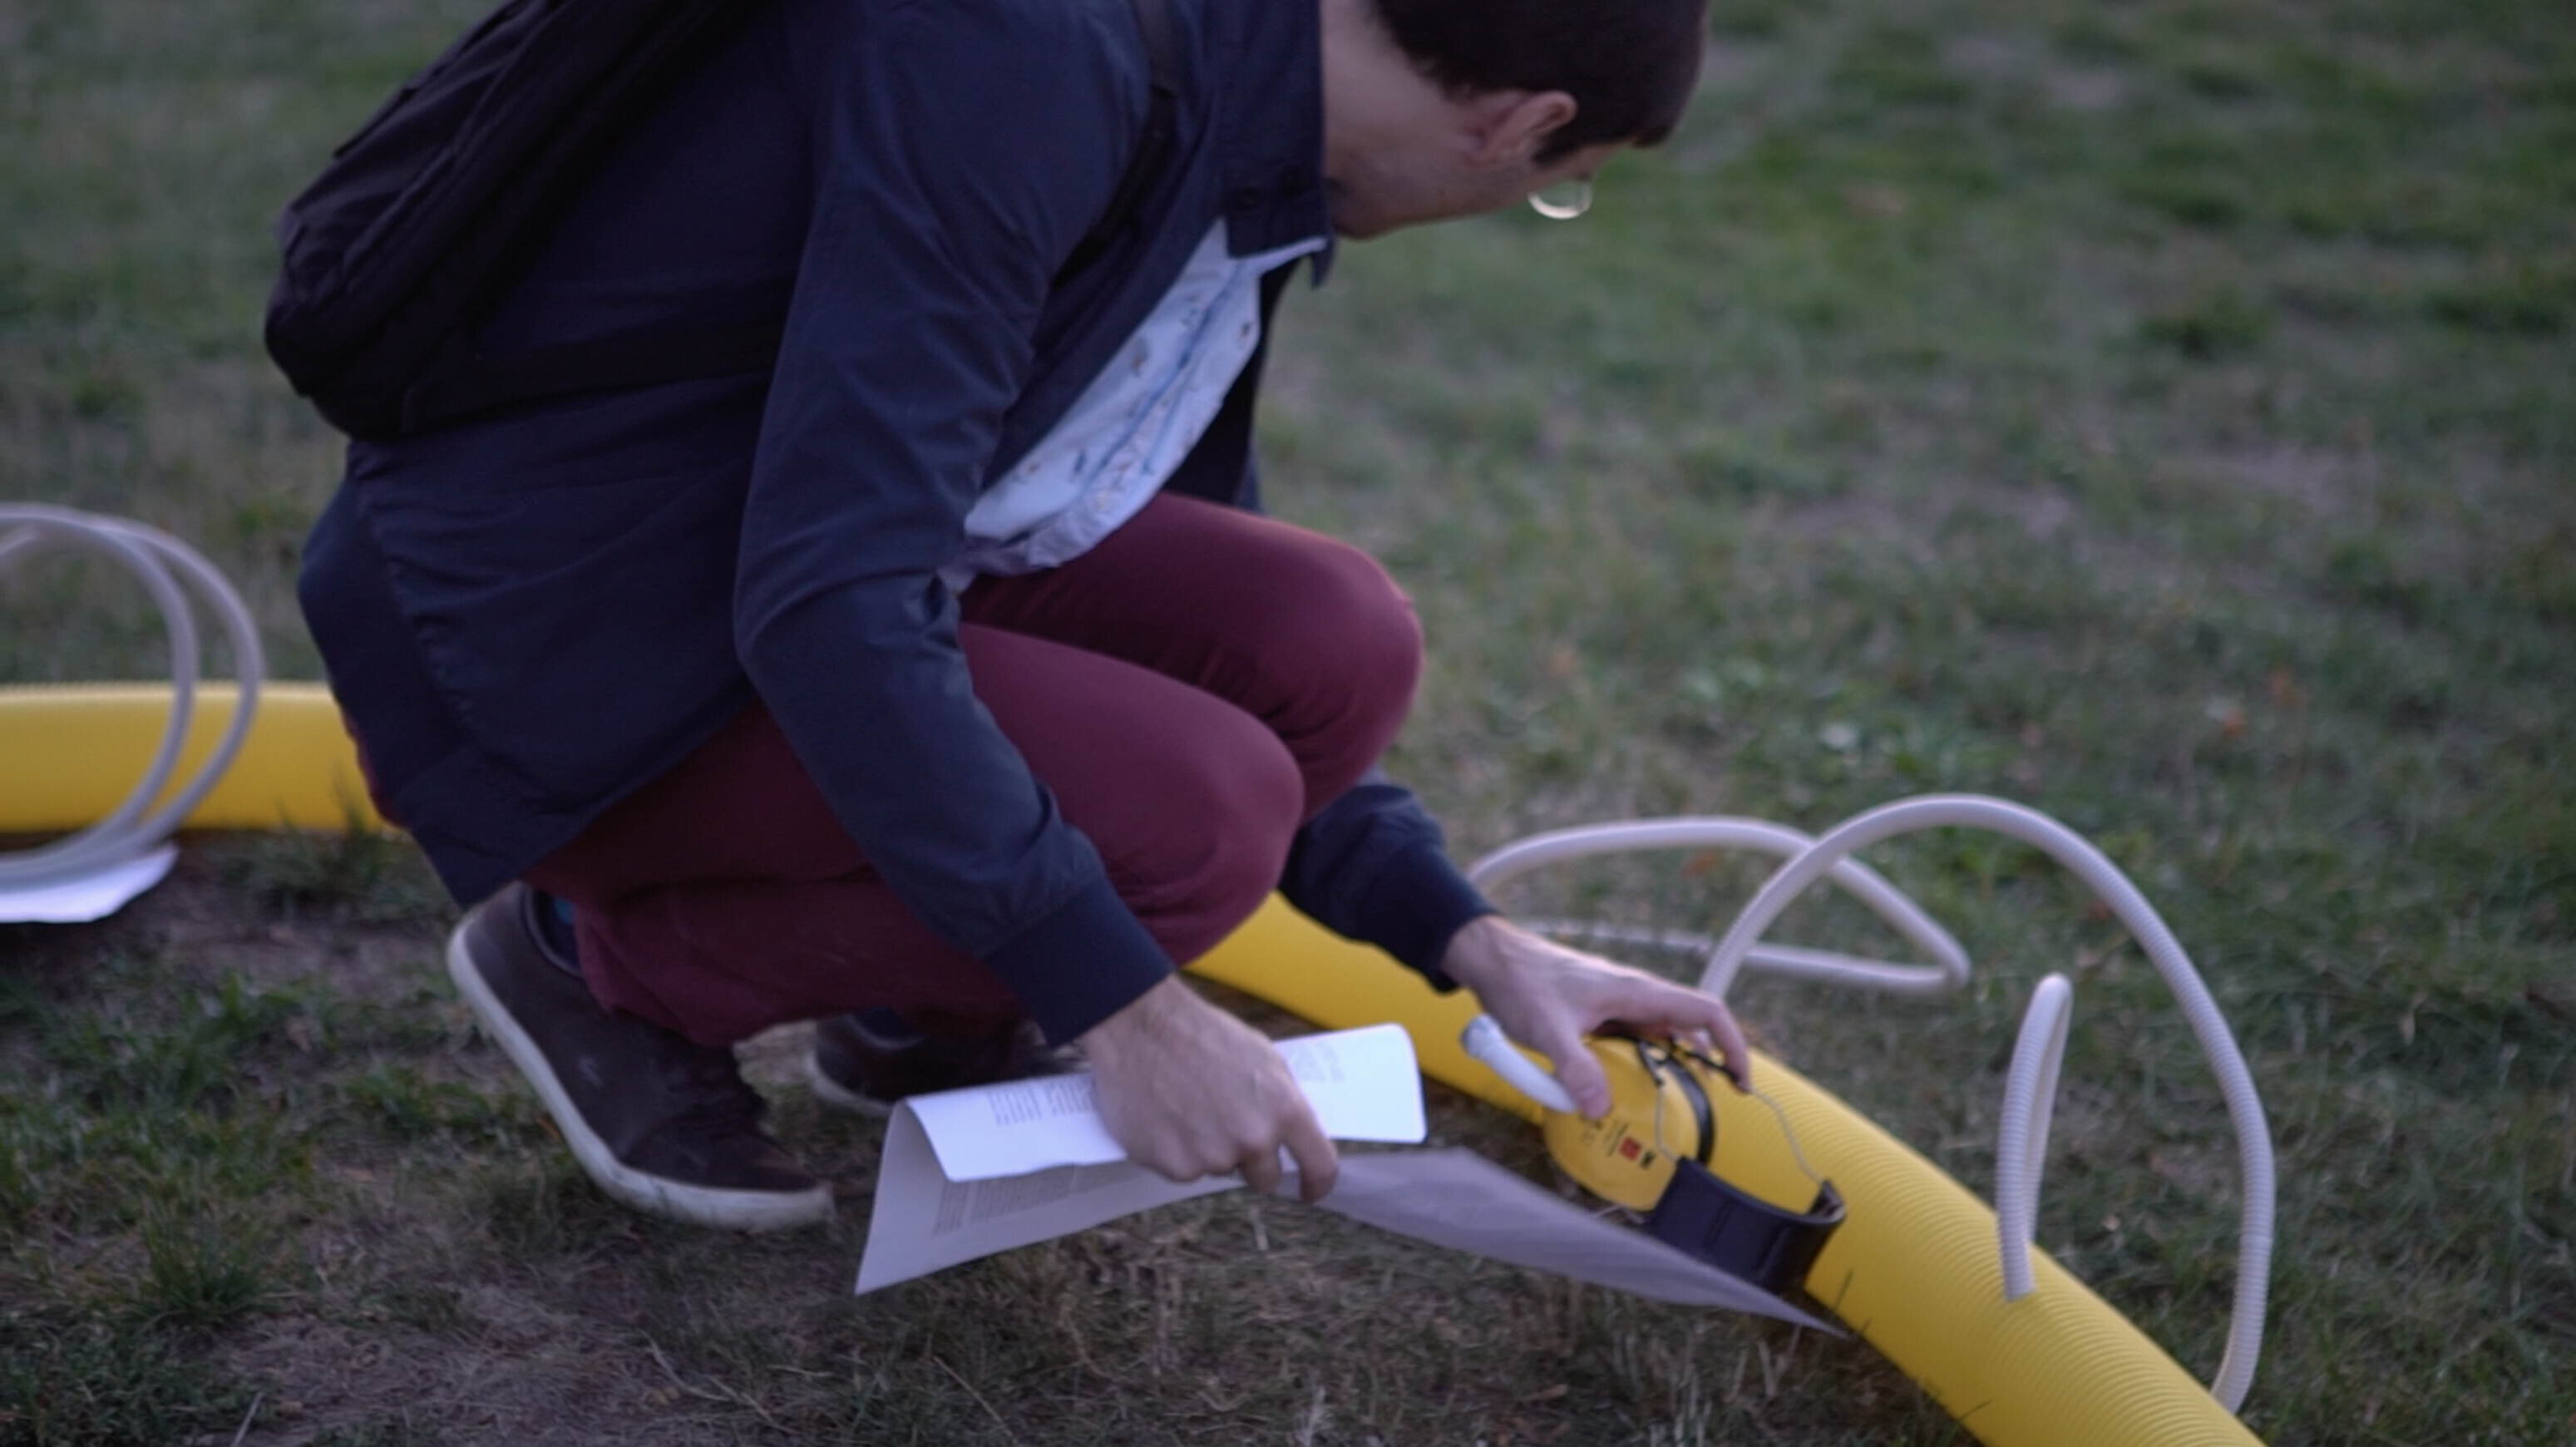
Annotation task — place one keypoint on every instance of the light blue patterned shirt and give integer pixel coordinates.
(1132, 427)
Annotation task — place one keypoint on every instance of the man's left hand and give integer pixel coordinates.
(1549, 997)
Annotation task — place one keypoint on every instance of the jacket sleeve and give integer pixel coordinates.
(962, 150)
(1373, 865)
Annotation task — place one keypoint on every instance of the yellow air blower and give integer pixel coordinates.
(1656, 1152)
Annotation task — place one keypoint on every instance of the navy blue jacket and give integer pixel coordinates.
(528, 615)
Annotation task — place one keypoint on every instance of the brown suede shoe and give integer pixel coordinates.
(661, 1123)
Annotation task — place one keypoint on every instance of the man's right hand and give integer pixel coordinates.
(1191, 1091)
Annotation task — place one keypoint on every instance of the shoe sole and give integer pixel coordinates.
(650, 1194)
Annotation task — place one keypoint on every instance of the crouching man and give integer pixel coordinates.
(939, 682)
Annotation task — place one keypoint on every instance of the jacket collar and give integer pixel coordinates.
(1269, 125)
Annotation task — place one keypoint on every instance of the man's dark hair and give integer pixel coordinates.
(1629, 64)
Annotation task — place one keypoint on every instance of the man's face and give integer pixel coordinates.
(1384, 187)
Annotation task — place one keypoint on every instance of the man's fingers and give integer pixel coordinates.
(1163, 1164)
(1707, 1017)
(1660, 1007)
(1261, 1170)
(1730, 1038)
(1318, 1166)
(1579, 1071)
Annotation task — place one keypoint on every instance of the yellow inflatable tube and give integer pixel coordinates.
(1913, 1269)
(69, 753)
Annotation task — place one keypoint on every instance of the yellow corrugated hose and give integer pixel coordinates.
(69, 753)
(1913, 1269)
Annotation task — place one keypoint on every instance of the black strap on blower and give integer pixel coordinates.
(1740, 1234)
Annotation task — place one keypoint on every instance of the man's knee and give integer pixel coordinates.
(1229, 803)
(1354, 636)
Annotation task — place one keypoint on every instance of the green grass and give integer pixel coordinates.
(2162, 413)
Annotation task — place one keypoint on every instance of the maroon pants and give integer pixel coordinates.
(1191, 690)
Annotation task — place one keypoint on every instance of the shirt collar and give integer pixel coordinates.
(1269, 124)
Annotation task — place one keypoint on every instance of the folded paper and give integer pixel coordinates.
(969, 1173)
(94, 894)
(1363, 1084)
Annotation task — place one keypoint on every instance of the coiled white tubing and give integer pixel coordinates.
(2030, 1086)
(160, 563)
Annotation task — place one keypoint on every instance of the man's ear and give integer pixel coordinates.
(1509, 127)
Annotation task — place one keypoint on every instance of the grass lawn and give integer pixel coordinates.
(2163, 412)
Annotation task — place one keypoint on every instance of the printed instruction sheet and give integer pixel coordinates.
(969, 1173)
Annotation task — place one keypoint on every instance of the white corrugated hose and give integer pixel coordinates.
(2030, 1086)
(161, 563)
